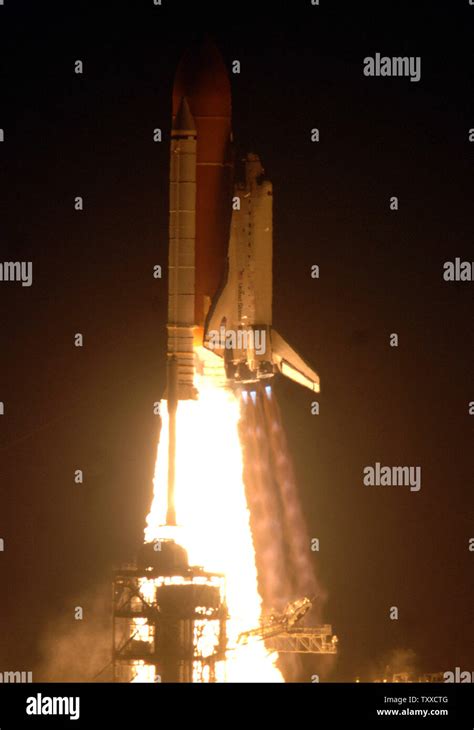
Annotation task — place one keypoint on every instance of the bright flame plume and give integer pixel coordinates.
(212, 511)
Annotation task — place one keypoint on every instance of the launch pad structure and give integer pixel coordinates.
(169, 619)
(304, 640)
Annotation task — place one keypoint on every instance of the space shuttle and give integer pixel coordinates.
(220, 243)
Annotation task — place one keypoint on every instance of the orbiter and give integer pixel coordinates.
(220, 242)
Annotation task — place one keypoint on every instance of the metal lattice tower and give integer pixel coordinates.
(305, 640)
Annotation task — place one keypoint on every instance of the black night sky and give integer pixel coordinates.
(91, 408)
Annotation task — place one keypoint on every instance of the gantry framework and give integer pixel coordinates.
(304, 640)
(169, 628)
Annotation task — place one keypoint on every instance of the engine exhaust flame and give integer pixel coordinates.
(212, 513)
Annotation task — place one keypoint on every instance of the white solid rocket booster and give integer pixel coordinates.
(182, 239)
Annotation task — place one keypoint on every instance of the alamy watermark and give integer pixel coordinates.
(45, 705)
(17, 271)
(393, 476)
(378, 65)
(458, 270)
(248, 339)
(458, 676)
(16, 677)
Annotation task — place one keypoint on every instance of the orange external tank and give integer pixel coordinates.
(202, 79)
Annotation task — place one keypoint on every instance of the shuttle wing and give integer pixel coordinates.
(289, 363)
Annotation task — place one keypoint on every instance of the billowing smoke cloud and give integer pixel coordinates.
(75, 650)
(284, 561)
(398, 661)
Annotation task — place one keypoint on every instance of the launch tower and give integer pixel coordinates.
(169, 619)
